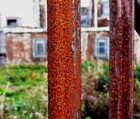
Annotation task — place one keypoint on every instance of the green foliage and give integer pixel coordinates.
(137, 71)
(23, 92)
(95, 90)
(88, 118)
(23, 74)
(83, 107)
(95, 83)
(87, 64)
(1, 91)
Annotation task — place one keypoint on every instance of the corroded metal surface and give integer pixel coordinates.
(137, 16)
(121, 59)
(64, 59)
(77, 58)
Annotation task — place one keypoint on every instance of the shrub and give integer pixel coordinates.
(23, 92)
(95, 91)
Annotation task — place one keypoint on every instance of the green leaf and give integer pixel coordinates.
(1, 91)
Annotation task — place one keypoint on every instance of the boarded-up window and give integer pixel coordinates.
(39, 47)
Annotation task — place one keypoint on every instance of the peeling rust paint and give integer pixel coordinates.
(64, 58)
(121, 59)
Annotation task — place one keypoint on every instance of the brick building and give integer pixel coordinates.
(28, 42)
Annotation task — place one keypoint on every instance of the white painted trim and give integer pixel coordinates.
(46, 15)
(24, 30)
(95, 29)
(28, 30)
(105, 1)
(95, 13)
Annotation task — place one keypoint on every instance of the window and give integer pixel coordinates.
(102, 47)
(84, 16)
(13, 21)
(39, 47)
(84, 21)
(105, 9)
(84, 11)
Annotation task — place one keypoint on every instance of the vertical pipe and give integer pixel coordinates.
(77, 57)
(137, 16)
(64, 59)
(121, 59)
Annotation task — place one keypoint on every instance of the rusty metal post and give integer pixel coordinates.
(121, 59)
(64, 59)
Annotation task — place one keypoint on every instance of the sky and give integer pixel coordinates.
(21, 8)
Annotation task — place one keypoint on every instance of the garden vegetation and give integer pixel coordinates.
(24, 91)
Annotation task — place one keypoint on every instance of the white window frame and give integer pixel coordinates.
(104, 40)
(41, 41)
(104, 15)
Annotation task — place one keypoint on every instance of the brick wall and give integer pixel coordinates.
(19, 47)
(88, 43)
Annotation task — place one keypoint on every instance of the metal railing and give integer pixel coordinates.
(64, 59)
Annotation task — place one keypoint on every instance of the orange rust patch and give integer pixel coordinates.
(64, 59)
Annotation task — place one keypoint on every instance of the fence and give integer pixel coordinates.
(64, 59)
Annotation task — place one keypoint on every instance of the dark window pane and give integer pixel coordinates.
(84, 10)
(40, 50)
(12, 22)
(101, 50)
(84, 20)
(102, 44)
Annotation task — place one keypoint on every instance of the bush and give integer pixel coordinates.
(95, 90)
(95, 95)
(23, 92)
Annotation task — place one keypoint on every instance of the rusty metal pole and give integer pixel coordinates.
(64, 59)
(121, 59)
